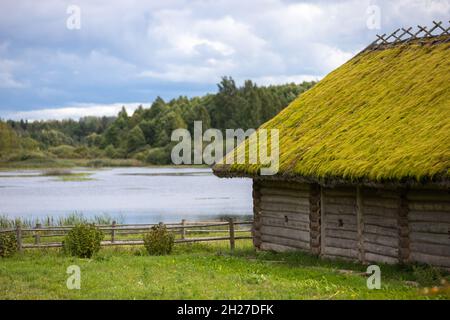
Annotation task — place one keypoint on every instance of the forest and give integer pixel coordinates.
(144, 135)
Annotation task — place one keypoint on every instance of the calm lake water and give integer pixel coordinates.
(133, 195)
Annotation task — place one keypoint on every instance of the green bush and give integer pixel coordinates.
(8, 244)
(26, 155)
(158, 156)
(159, 241)
(64, 152)
(83, 240)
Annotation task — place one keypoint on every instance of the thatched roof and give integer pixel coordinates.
(382, 117)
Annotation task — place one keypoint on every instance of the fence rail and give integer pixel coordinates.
(115, 231)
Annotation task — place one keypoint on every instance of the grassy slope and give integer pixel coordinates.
(201, 271)
(381, 116)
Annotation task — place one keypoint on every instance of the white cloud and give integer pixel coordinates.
(178, 46)
(7, 68)
(74, 112)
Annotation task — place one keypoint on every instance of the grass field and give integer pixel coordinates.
(207, 271)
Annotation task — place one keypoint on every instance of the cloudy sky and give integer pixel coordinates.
(54, 65)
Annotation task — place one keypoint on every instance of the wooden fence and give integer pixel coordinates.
(405, 35)
(115, 231)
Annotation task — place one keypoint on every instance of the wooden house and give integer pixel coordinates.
(364, 159)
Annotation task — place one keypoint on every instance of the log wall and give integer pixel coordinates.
(380, 215)
(354, 223)
(339, 223)
(429, 227)
(283, 215)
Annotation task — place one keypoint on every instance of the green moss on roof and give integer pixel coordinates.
(382, 116)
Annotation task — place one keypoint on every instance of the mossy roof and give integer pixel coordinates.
(384, 116)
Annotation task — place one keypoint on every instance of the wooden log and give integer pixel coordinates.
(340, 192)
(287, 216)
(284, 193)
(285, 200)
(340, 252)
(380, 212)
(429, 206)
(381, 203)
(388, 232)
(341, 243)
(343, 234)
(290, 208)
(279, 222)
(342, 218)
(285, 233)
(284, 185)
(381, 222)
(428, 195)
(432, 249)
(437, 238)
(436, 260)
(276, 247)
(340, 209)
(379, 193)
(431, 227)
(381, 239)
(337, 226)
(381, 250)
(284, 241)
(434, 216)
(373, 257)
(343, 200)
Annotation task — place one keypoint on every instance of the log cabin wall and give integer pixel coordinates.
(380, 225)
(354, 223)
(339, 223)
(283, 216)
(429, 226)
(256, 229)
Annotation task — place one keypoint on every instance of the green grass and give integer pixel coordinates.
(54, 163)
(49, 221)
(203, 271)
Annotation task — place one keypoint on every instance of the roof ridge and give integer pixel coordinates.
(422, 36)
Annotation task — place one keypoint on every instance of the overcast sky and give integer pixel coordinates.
(129, 52)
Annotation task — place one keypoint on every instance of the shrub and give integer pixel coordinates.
(158, 156)
(8, 244)
(64, 151)
(26, 155)
(159, 241)
(83, 240)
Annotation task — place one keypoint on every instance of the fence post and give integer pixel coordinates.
(231, 227)
(113, 232)
(37, 235)
(183, 230)
(19, 237)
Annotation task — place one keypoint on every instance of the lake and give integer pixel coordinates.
(132, 195)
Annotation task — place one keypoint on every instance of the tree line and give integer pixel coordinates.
(145, 134)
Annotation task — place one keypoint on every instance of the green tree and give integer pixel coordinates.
(135, 140)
